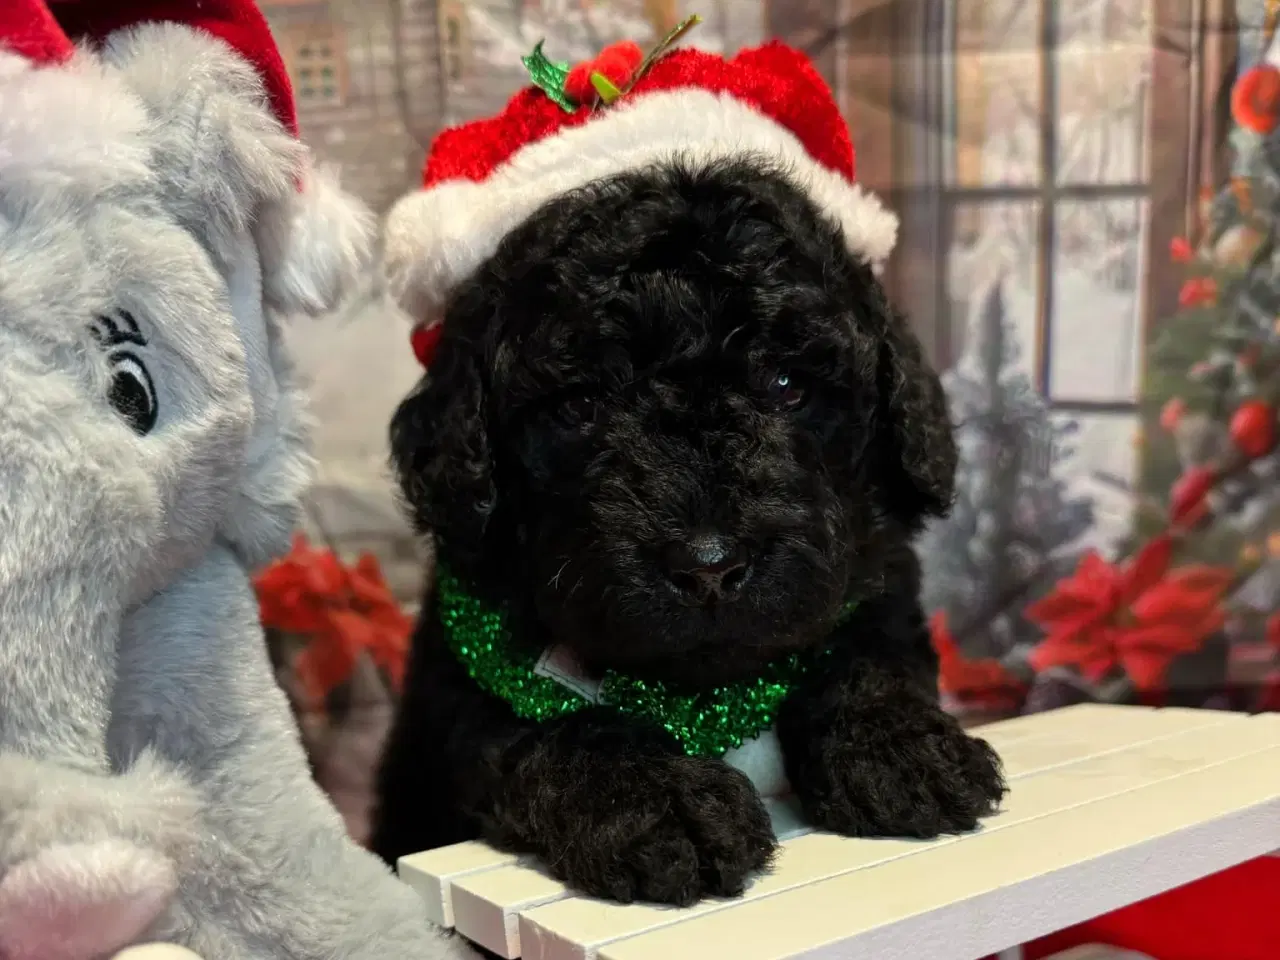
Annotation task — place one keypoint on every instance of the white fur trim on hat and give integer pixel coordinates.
(315, 244)
(69, 128)
(435, 238)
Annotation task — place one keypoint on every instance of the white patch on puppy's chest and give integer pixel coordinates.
(759, 758)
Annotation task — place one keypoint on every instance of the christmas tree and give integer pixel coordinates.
(1194, 595)
(1187, 611)
(1013, 522)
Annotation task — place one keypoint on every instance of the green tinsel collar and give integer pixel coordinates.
(706, 724)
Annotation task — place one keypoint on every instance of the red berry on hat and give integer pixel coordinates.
(425, 339)
(1253, 428)
(615, 63)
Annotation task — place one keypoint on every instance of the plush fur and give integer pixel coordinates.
(82, 900)
(71, 127)
(687, 347)
(152, 450)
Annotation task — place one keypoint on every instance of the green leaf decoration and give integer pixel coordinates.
(548, 76)
(605, 88)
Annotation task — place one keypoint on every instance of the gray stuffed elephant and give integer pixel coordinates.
(158, 222)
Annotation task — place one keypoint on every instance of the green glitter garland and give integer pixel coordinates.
(707, 724)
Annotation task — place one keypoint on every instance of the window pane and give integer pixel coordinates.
(996, 92)
(1099, 460)
(1103, 63)
(1094, 315)
(993, 242)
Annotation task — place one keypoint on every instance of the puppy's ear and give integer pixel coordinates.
(917, 445)
(441, 455)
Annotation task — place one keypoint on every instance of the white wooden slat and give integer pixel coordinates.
(432, 873)
(1001, 887)
(1067, 742)
(1073, 734)
(485, 905)
(575, 929)
(1079, 716)
(474, 898)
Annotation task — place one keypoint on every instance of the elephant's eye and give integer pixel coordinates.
(132, 392)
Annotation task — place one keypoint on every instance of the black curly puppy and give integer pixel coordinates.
(676, 427)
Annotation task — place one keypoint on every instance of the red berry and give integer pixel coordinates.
(1188, 493)
(629, 52)
(1180, 250)
(1253, 428)
(616, 63)
(425, 340)
(577, 85)
(1255, 99)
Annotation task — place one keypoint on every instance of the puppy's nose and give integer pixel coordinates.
(707, 568)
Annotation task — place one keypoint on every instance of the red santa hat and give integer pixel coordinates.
(482, 179)
(313, 238)
(237, 23)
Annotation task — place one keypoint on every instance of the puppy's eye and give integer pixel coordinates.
(577, 412)
(787, 392)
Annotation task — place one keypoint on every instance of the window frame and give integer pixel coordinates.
(1047, 194)
(1186, 41)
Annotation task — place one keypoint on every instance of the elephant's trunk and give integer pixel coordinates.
(74, 518)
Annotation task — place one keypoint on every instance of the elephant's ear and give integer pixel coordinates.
(232, 166)
(236, 176)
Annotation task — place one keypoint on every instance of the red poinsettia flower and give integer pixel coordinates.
(983, 682)
(1198, 292)
(1098, 589)
(1173, 618)
(342, 611)
(1137, 618)
(1180, 250)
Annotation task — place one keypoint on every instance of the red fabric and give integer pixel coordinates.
(238, 23)
(778, 81)
(1232, 915)
(28, 29)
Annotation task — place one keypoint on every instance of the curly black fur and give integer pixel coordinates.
(663, 353)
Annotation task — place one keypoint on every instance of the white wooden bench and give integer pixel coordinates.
(1107, 806)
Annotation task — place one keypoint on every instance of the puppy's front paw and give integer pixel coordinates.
(902, 768)
(640, 824)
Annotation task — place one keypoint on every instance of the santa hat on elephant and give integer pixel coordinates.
(228, 149)
(621, 112)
